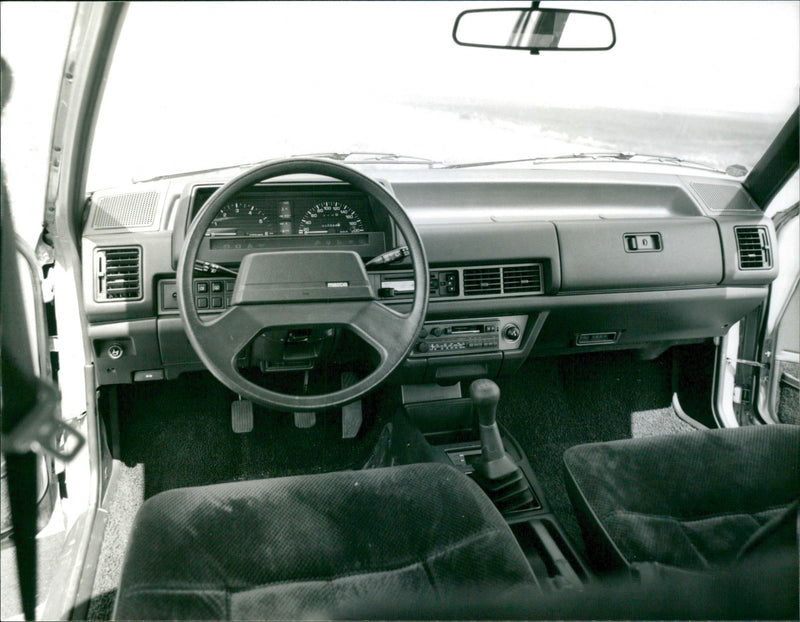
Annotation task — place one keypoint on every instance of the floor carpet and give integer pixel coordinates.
(552, 404)
(181, 432)
(178, 433)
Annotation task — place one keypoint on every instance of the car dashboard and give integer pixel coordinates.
(521, 262)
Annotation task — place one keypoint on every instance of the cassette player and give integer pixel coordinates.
(472, 336)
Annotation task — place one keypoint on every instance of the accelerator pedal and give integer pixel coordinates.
(242, 416)
(352, 416)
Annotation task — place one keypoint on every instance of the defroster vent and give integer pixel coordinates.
(755, 252)
(118, 274)
(136, 209)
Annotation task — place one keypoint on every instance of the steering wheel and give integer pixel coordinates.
(301, 289)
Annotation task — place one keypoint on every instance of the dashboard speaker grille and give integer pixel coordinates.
(522, 279)
(724, 198)
(136, 209)
(754, 248)
(481, 281)
(118, 274)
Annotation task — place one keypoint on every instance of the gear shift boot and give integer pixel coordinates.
(496, 468)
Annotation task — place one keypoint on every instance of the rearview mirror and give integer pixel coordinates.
(535, 29)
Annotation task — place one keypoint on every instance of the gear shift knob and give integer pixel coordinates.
(485, 395)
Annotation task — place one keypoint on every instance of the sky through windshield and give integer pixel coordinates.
(200, 85)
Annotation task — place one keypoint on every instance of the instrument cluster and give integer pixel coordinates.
(268, 212)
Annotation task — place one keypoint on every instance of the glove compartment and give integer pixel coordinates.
(639, 253)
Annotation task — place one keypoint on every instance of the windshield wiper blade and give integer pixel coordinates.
(623, 156)
(197, 172)
(369, 156)
(540, 159)
(355, 156)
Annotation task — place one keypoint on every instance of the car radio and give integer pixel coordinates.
(470, 336)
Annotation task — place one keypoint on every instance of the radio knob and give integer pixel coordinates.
(423, 347)
(511, 332)
(436, 331)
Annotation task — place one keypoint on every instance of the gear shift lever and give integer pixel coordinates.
(495, 463)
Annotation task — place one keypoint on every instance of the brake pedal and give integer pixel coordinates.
(242, 416)
(352, 415)
(305, 420)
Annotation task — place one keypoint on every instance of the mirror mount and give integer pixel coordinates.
(534, 30)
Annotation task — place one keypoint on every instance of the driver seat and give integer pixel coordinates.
(309, 546)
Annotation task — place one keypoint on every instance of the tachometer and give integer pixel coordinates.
(331, 217)
(237, 213)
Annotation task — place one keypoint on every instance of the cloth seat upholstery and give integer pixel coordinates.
(301, 547)
(691, 501)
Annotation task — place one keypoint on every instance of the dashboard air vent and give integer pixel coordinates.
(118, 274)
(522, 279)
(754, 248)
(481, 281)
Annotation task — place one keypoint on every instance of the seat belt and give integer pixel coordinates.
(18, 397)
(21, 480)
(28, 405)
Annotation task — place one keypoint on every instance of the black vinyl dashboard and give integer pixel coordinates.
(522, 262)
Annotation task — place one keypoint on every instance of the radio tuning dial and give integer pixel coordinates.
(423, 347)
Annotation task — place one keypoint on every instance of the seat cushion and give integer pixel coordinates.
(690, 500)
(300, 547)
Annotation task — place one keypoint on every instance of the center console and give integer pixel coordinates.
(438, 423)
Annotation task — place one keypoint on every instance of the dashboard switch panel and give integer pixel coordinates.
(211, 295)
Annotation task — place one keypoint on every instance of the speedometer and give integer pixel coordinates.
(331, 217)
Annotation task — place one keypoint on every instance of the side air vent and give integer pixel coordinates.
(137, 209)
(522, 279)
(754, 248)
(481, 281)
(118, 274)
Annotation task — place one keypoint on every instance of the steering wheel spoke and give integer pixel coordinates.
(383, 328)
(228, 333)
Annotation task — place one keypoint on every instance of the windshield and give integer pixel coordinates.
(218, 84)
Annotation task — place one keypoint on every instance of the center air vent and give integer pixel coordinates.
(503, 280)
(481, 281)
(118, 274)
(522, 279)
(754, 248)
